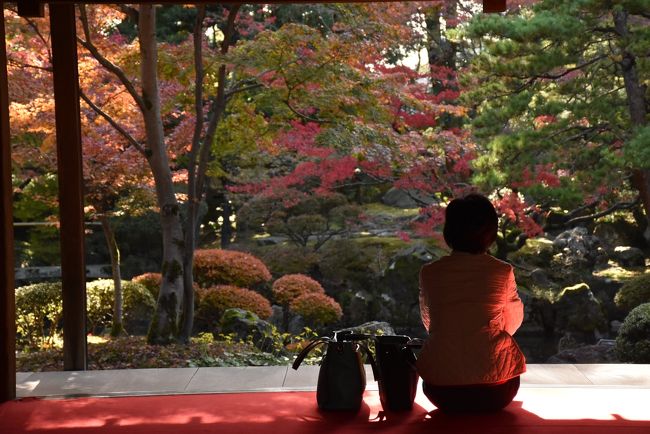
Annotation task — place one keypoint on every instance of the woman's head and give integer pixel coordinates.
(470, 224)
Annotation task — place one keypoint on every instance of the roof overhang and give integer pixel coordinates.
(36, 8)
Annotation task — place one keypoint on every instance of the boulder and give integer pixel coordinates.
(243, 323)
(399, 287)
(373, 328)
(602, 352)
(400, 198)
(578, 249)
(577, 310)
(620, 232)
(296, 325)
(277, 317)
(627, 256)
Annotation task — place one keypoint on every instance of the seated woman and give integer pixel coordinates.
(470, 307)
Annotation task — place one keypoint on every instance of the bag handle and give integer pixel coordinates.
(313, 344)
(348, 335)
(375, 371)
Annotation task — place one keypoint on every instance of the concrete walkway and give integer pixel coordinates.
(283, 378)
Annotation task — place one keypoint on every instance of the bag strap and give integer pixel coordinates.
(313, 344)
(348, 335)
(375, 371)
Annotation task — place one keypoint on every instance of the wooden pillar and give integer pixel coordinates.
(71, 199)
(7, 297)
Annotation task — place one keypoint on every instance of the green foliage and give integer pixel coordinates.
(288, 258)
(637, 152)
(291, 286)
(316, 308)
(139, 240)
(214, 301)
(552, 109)
(36, 202)
(308, 221)
(633, 340)
(39, 311)
(634, 292)
(228, 267)
(174, 24)
(359, 261)
(139, 305)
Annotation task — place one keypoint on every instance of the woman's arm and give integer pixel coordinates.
(424, 306)
(514, 309)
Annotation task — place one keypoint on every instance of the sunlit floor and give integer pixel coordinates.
(283, 378)
(553, 399)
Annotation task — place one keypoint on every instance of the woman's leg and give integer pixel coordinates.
(472, 398)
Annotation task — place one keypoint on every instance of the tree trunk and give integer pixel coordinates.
(164, 327)
(118, 305)
(637, 104)
(226, 227)
(441, 52)
(199, 158)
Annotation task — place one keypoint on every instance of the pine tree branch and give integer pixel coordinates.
(611, 209)
(110, 66)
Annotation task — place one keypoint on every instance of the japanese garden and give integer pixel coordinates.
(258, 175)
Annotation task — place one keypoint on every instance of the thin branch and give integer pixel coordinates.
(235, 91)
(11, 61)
(611, 209)
(113, 123)
(218, 104)
(116, 70)
(45, 42)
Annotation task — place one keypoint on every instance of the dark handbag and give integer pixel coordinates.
(397, 375)
(342, 377)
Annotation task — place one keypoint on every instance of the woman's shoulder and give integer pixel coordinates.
(497, 262)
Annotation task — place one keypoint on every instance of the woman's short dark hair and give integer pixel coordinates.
(470, 224)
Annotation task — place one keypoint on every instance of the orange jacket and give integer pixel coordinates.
(470, 306)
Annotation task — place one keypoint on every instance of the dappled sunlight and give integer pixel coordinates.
(535, 409)
(554, 403)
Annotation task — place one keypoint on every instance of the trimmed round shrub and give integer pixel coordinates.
(214, 301)
(228, 267)
(39, 311)
(634, 292)
(151, 281)
(288, 288)
(316, 308)
(633, 340)
(138, 305)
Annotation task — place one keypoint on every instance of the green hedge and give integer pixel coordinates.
(634, 292)
(633, 340)
(39, 310)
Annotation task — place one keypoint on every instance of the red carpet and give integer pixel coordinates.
(535, 410)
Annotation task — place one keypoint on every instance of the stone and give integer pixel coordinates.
(277, 316)
(296, 325)
(244, 323)
(578, 310)
(539, 277)
(601, 352)
(373, 328)
(627, 256)
(400, 198)
(576, 248)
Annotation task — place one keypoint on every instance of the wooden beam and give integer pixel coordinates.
(71, 198)
(492, 6)
(7, 297)
(31, 8)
